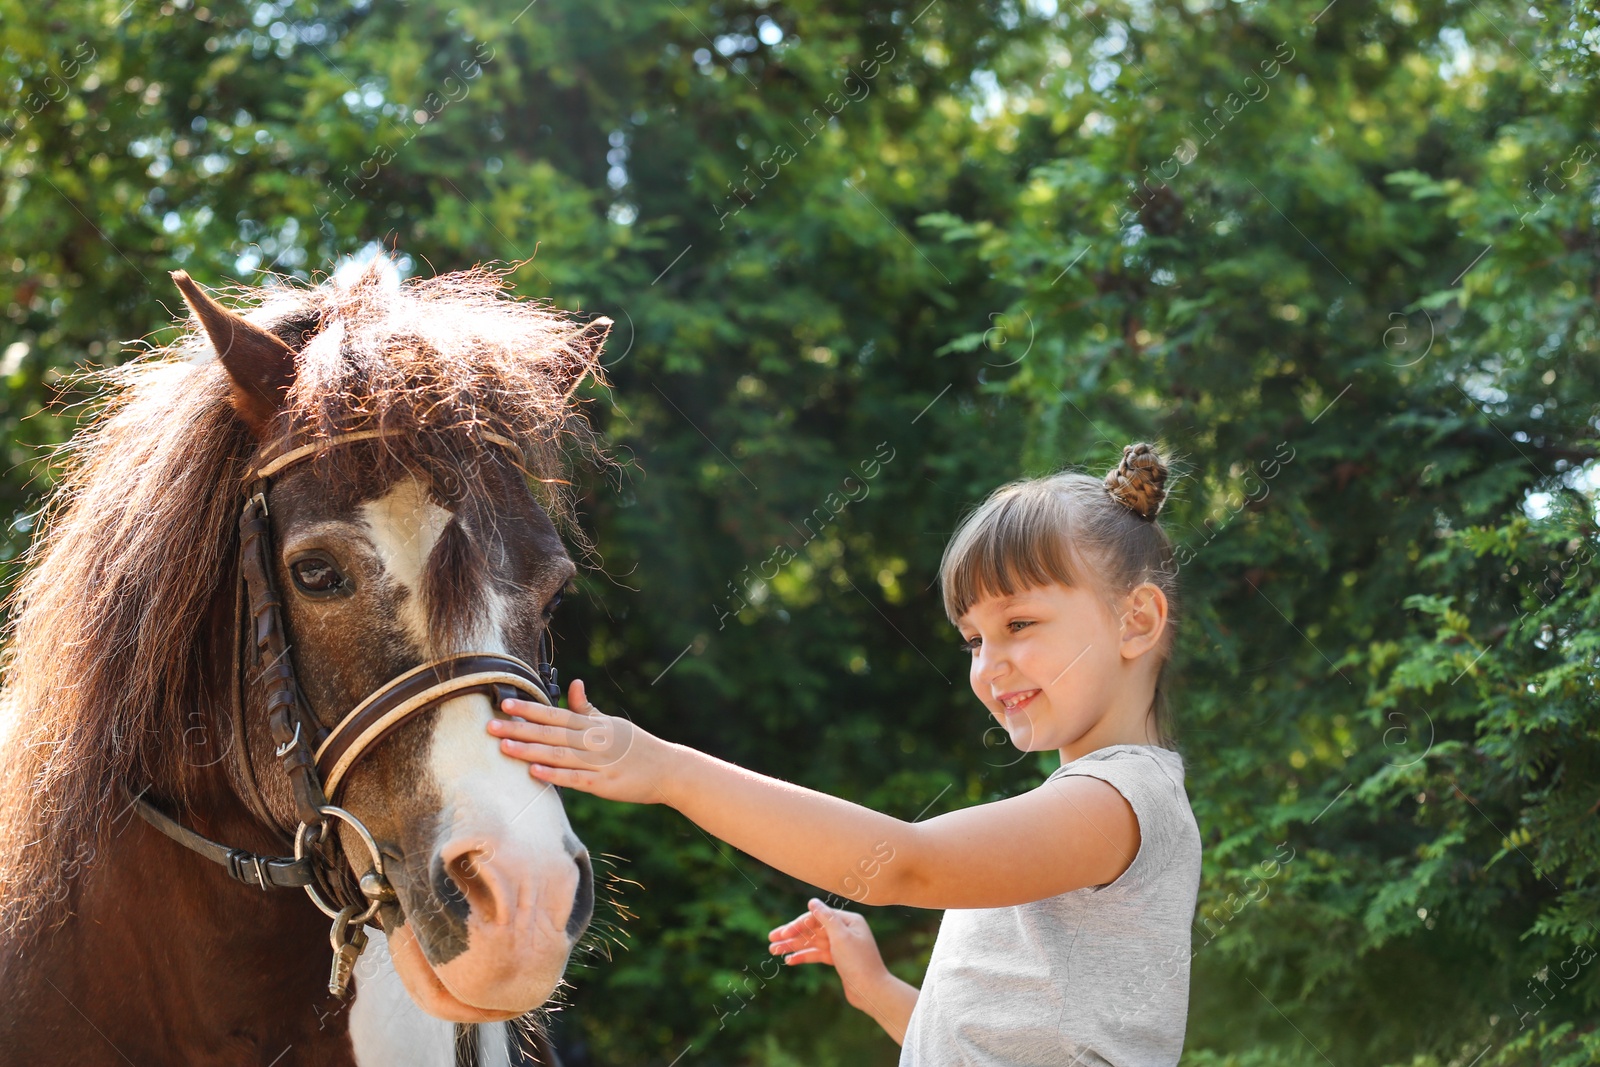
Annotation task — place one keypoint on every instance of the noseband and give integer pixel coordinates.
(318, 760)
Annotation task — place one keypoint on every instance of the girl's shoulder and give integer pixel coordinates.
(1151, 779)
(1143, 766)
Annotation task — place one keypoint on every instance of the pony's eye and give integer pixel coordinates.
(555, 602)
(316, 576)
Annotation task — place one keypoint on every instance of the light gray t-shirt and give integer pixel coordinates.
(1098, 976)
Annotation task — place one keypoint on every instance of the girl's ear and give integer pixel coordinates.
(1144, 620)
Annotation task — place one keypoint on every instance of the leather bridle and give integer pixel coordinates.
(318, 760)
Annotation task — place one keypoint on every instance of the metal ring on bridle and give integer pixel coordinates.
(330, 910)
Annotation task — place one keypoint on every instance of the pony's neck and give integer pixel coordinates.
(163, 958)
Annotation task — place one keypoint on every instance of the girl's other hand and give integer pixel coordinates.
(841, 939)
(584, 748)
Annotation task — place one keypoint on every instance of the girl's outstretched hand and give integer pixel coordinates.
(839, 938)
(584, 748)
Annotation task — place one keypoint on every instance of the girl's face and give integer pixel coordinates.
(1049, 663)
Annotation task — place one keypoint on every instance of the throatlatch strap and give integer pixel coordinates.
(263, 872)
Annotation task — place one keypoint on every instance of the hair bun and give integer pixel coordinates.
(1139, 480)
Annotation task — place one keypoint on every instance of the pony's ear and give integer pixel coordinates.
(260, 362)
(587, 346)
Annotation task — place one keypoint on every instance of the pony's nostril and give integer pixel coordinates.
(463, 884)
(583, 900)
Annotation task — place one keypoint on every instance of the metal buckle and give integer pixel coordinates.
(291, 744)
(242, 863)
(551, 681)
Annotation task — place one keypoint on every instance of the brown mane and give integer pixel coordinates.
(106, 645)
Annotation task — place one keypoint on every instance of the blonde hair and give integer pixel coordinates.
(1074, 529)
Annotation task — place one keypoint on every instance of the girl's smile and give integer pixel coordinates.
(1015, 702)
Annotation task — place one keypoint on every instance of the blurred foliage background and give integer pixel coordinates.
(1340, 259)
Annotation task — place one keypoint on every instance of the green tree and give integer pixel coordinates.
(1342, 260)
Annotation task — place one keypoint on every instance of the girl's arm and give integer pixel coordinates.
(1065, 835)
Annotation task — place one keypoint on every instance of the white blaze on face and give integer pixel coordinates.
(513, 826)
(403, 526)
(516, 829)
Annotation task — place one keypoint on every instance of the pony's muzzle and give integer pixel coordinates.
(495, 926)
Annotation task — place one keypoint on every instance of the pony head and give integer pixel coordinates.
(420, 541)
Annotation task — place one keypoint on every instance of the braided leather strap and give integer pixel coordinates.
(292, 728)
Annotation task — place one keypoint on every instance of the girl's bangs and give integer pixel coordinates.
(1015, 541)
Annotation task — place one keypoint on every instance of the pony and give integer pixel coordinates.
(432, 425)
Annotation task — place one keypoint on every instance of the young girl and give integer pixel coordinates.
(1066, 934)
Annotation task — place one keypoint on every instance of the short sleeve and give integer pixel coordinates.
(1158, 802)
